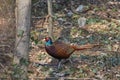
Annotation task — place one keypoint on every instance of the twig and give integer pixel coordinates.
(36, 3)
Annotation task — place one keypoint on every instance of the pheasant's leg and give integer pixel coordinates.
(59, 64)
(70, 61)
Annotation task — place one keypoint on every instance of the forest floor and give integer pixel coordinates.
(99, 63)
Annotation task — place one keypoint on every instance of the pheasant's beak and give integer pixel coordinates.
(44, 40)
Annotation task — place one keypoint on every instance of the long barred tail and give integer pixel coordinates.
(86, 46)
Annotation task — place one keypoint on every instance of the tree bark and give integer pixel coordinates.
(23, 23)
(50, 27)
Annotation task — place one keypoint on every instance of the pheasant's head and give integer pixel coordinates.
(48, 41)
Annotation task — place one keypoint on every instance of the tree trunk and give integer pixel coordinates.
(23, 21)
(50, 27)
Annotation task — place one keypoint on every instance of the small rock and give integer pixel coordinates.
(80, 8)
(60, 21)
(117, 75)
(82, 21)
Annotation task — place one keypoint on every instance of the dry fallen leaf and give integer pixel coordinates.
(115, 47)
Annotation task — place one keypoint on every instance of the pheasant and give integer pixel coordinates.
(61, 50)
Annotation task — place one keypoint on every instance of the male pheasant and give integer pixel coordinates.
(61, 50)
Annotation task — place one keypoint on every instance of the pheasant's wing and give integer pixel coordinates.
(63, 50)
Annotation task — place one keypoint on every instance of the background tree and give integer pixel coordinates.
(50, 27)
(23, 21)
